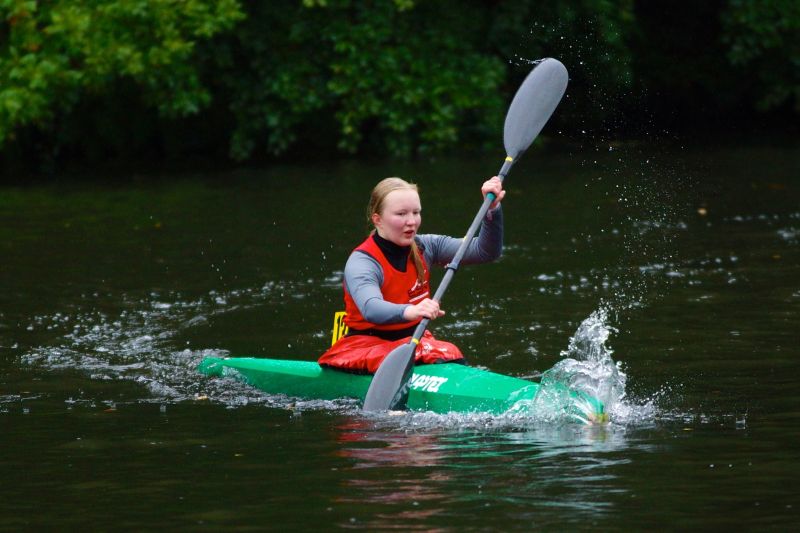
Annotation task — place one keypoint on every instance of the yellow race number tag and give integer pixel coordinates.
(339, 327)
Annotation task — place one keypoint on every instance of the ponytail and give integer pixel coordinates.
(416, 256)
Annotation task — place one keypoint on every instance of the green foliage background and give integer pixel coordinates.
(92, 80)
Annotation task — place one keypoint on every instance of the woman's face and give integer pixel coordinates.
(400, 217)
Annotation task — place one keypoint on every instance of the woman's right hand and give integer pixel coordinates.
(427, 308)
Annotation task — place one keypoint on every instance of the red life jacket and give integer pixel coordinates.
(398, 287)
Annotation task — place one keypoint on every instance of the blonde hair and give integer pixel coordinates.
(375, 205)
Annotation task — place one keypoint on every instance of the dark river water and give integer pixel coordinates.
(679, 265)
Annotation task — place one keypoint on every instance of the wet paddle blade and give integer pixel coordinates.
(389, 388)
(534, 103)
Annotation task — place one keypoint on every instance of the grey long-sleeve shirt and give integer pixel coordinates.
(363, 275)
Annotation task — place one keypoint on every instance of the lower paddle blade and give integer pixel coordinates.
(535, 101)
(389, 387)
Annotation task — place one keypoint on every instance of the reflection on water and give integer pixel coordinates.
(412, 475)
(417, 454)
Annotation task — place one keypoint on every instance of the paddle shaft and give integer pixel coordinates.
(452, 266)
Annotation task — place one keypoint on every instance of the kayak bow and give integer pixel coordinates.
(440, 388)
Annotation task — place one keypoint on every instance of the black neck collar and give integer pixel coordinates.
(395, 254)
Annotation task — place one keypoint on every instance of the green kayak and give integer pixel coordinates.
(440, 388)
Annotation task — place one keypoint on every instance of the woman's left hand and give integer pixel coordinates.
(495, 186)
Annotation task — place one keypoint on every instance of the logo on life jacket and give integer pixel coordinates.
(418, 292)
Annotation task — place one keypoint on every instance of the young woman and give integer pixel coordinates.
(387, 284)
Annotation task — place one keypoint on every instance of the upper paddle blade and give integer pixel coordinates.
(389, 387)
(535, 101)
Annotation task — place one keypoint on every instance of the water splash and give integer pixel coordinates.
(587, 368)
(518, 60)
(138, 342)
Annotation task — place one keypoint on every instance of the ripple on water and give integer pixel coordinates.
(138, 342)
(138, 345)
(790, 234)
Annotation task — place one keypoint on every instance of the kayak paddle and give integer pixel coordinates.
(535, 101)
